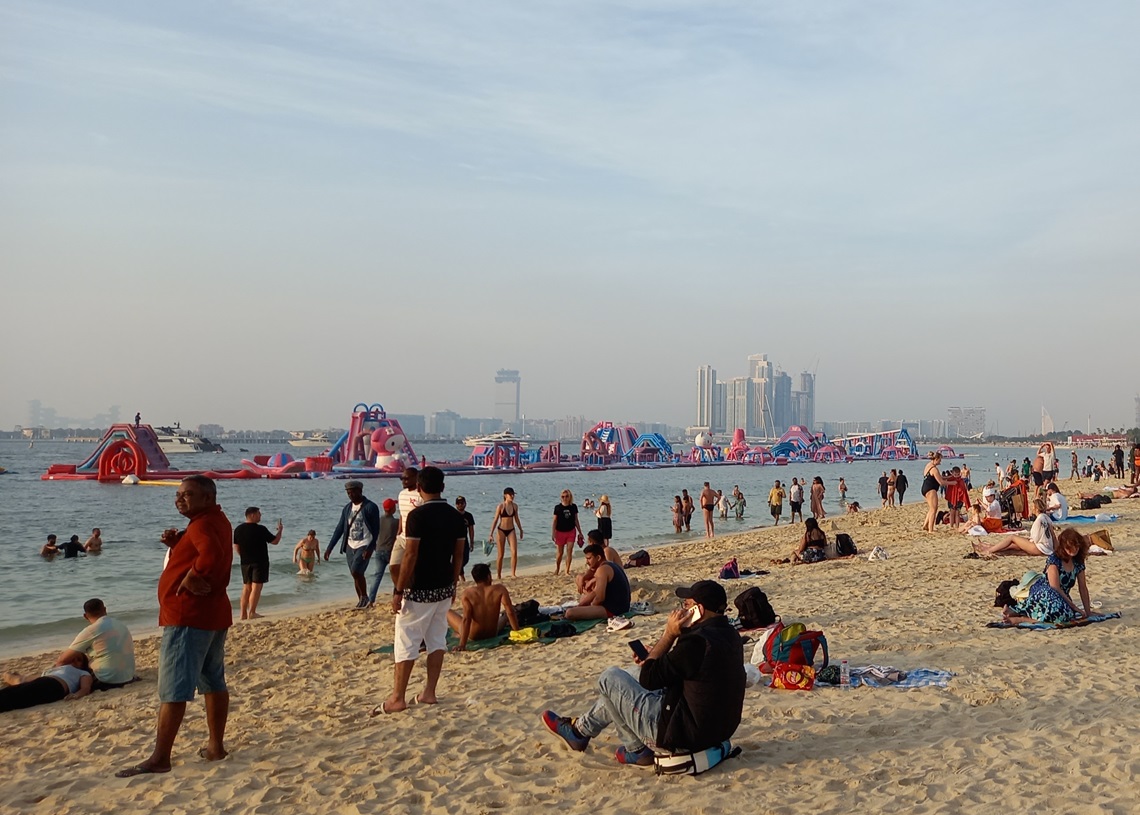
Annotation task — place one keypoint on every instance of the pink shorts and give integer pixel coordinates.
(565, 538)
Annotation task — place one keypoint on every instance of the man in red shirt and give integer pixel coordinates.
(195, 613)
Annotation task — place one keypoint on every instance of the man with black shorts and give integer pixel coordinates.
(251, 544)
(435, 534)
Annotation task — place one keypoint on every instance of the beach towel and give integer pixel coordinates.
(917, 678)
(1100, 517)
(504, 638)
(1092, 618)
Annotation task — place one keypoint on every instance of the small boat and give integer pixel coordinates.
(176, 440)
(300, 439)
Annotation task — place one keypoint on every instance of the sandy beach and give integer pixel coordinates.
(1043, 721)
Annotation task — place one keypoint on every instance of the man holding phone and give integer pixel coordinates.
(690, 694)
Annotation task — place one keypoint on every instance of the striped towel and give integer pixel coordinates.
(917, 678)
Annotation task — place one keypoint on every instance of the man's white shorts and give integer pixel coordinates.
(398, 551)
(420, 623)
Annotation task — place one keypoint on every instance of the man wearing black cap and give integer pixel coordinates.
(359, 525)
(690, 695)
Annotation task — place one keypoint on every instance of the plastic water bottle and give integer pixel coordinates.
(844, 674)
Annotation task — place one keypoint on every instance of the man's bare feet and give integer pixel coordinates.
(204, 752)
(146, 768)
(253, 615)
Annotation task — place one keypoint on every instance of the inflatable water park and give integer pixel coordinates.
(375, 446)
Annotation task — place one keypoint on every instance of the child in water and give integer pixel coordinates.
(305, 553)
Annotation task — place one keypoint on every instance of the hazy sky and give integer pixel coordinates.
(261, 213)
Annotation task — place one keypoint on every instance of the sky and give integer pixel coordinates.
(258, 214)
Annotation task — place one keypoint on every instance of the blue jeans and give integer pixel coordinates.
(632, 709)
(380, 558)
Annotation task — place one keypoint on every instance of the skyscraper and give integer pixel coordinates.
(803, 402)
(706, 396)
(508, 389)
(740, 397)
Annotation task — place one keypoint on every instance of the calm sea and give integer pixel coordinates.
(41, 602)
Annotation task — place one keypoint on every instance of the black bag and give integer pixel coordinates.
(528, 614)
(1091, 503)
(753, 609)
(561, 630)
(844, 546)
(638, 558)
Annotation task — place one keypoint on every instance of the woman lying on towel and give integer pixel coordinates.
(61, 682)
(1041, 540)
(1047, 598)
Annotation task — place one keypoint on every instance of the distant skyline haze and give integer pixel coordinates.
(258, 214)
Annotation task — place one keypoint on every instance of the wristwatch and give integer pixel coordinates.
(397, 592)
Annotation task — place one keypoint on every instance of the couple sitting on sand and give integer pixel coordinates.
(1046, 598)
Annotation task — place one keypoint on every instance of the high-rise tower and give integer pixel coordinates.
(508, 388)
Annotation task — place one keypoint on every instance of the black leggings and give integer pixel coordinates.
(29, 694)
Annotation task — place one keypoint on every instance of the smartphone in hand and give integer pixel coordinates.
(639, 650)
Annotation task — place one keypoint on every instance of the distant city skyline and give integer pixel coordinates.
(259, 214)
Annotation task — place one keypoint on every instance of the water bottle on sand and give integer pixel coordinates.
(844, 674)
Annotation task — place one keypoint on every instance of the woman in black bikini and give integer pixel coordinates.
(931, 483)
(503, 530)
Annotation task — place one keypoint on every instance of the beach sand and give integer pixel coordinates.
(1034, 720)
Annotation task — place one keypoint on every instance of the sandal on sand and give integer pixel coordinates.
(380, 710)
(204, 752)
(139, 769)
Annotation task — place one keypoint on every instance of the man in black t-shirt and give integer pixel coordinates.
(425, 588)
(251, 544)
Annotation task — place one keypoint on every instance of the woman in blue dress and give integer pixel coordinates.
(1049, 599)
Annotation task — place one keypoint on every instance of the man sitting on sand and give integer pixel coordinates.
(610, 595)
(689, 696)
(105, 645)
(1057, 504)
(585, 581)
(481, 617)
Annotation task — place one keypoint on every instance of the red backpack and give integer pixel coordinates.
(795, 645)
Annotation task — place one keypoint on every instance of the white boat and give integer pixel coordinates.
(502, 437)
(177, 440)
(301, 439)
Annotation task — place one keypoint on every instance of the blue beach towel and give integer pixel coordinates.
(1090, 519)
(917, 678)
(1092, 618)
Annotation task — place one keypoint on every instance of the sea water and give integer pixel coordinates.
(41, 601)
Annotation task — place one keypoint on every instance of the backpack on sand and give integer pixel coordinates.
(753, 609)
(844, 546)
(638, 558)
(795, 645)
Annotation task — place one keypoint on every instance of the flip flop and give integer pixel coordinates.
(380, 710)
(203, 752)
(139, 769)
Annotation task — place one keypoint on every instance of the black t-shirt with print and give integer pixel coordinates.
(437, 525)
(564, 517)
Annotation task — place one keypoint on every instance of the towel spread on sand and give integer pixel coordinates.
(1092, 618)
(916, 678)
(1099, 518)
(504, 638)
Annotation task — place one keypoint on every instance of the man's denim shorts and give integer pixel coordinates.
(190, 658)
(356, 562)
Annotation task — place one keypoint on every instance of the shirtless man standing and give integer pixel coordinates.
(94, 543)
(481, 617)
(708, 504)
